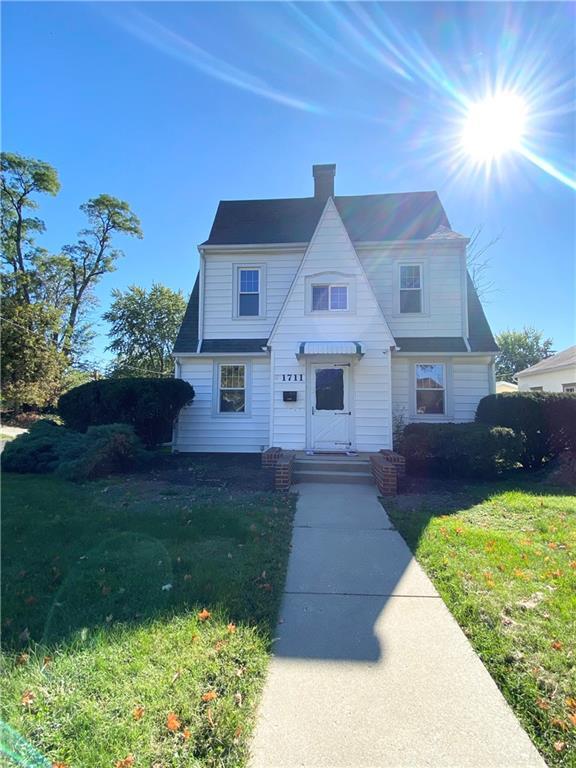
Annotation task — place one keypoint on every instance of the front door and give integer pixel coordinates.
(330, 408)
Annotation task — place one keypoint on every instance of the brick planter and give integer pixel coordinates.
(396, 459)
(385, 475)
(283, 472)
(270, 456)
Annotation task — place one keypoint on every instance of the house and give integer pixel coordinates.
(554, 374)
(505, 386)
(318, 323)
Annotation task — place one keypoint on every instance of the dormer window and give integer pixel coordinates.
(329, 298)
(248, 292)
(410, 288)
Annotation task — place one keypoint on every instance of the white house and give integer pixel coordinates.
(314, 321)
(505, 386)
(554, 374)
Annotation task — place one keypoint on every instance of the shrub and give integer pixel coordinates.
(546, 419)
(459, 450)
(74, 455)
(149, 405)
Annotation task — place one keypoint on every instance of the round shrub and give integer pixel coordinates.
(547, 420)
(459, 450)
(149, 405)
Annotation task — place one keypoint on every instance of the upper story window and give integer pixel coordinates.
(329, 297)
(248, 292)
(430, 388)
(410, 288)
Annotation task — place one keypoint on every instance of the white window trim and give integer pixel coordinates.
(247, 390)
(424, 281)
(448, 389)
(261, 269)
(569, 388)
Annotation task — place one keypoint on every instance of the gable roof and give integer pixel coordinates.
(560, 360)
(367, 218)
(480, 336)
(187, 339)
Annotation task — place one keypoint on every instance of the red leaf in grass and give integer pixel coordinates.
(172, 722)
(571, 704)
(138, 713)
(560, 724)
(28, 698)
(209, 696)
(186, 734)
(204, 615)
(572, 564)
(59, 764)
(45, 662)
(23, 658)
(125, 762)
(559, 746)
(542, 704)
(572, 719)
(557, 645)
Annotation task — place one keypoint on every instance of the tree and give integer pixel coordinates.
(520, 350)
(479, 264)
(144, 325)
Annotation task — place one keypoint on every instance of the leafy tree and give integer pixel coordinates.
(144, 325)
(520, 350)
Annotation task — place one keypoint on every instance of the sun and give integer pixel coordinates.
(494, 127)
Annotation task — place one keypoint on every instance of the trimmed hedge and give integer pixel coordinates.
(149, 405)
(459, 450)
(73, 455)
(547, 420)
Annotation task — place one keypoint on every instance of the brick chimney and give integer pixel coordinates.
(323, 181)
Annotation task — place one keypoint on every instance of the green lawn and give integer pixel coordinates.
(103, 645)
(503, 557)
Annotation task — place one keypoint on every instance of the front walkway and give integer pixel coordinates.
(370, 668)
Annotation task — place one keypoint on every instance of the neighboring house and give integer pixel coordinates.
(505, 386)
(313, 320)
(554, 374)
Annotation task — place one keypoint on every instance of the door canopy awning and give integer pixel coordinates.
(348, 348)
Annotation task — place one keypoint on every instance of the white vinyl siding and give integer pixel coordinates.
(442, 279)
(201, 428)
(467, 382)
(221, 320)
(330, 253)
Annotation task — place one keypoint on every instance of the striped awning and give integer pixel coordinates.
(349, 348)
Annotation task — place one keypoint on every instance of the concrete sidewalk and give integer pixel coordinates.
(370, 669)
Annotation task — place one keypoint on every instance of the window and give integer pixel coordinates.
(430, 388)
(569, 387)
(248, 292)
(232, 389)
(329, 297)
(536, 389)
(410, 288)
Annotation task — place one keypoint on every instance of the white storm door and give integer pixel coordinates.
(330, 408)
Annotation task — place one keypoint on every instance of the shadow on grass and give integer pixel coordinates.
(132, 549)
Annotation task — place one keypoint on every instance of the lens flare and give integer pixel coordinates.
(494, 127)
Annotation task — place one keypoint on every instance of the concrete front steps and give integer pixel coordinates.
(332, 469)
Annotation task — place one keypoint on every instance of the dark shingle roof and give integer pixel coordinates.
(233, 345)
(187, 339)
(398, 216)
(480, 336)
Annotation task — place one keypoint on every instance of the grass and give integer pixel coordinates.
(503, 557)
(102, 588)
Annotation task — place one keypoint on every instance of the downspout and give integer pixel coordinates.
(201, 299)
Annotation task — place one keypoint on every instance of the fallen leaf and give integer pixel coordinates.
(571, 704)
(557, 645)
(219, 645)
(22, 658)
(559, 745)
(238, 698)
(572, 564)
(204, 614)
(59, 765)
(126, 762)
(542, 704)
(560, 724)
(209, 717)
(138, 713)
(172, 722)
(45, 662)
(186, 734)
(231, 627)
(209, 696)
(572, 719)
(28, 698)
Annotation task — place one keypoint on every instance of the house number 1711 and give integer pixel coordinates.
(292, 377)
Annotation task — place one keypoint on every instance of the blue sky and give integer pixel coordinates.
(175, 106)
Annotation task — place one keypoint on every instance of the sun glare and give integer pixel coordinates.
(493, 127)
